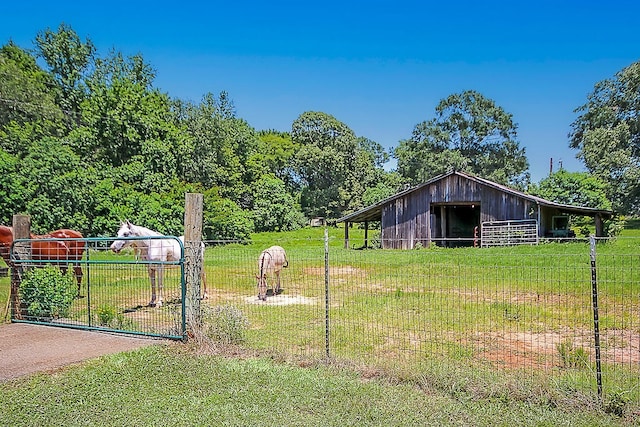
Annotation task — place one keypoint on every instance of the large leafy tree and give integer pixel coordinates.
(54, 185)
(607, 136)
(326, 158)
(69, 60)
(223, 147)
(28, 109)
(126, 120)
(274, 208)
(573, 188)
(471, 133)
(276, 149)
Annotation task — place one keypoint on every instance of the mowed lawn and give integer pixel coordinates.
(172, 385)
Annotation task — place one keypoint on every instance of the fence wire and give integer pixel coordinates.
(525, 310)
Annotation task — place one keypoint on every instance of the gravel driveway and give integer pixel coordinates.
(26, 348)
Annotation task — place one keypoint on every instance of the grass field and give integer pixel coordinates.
(165, 386)
(508, 324)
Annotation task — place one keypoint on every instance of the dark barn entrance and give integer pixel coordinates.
(455, 225)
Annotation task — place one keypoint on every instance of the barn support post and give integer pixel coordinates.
(599, 225)
(22, 250)
(193, 263)
(366, 234)
(346, 234)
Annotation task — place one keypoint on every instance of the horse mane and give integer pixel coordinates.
(142, 231)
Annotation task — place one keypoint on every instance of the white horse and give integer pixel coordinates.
(270, 261)
(153, 249)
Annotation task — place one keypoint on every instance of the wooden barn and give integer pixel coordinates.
(458, 209)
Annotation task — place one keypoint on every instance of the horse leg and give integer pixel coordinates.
(160, 279)
(203, 276)
(152, 279)
(262, 288)
(77, 271)
(277, 288)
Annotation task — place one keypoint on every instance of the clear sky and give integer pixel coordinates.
(380, 67)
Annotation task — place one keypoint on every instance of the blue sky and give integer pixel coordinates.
(380, 67)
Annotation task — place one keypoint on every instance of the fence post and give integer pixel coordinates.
(596, 327)
(21, 250)
(193, 208)
(326, 292)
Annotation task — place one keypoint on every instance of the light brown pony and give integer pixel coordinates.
(270, 262)
(43, 248)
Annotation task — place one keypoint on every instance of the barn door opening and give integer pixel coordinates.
(454, 225)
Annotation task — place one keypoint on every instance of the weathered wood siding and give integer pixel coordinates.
(406, 219)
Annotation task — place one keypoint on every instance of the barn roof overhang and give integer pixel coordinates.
(374, 212)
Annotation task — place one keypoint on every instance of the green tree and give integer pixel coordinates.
(225, 220)
(573, 188)
(470, 133)
(223, 147)
(69, 59)
(126, 120)
(276, 150)
(54, 185)
(28, 109)
(274, 208)
(607, 136)
(11, 192)
(326, 157)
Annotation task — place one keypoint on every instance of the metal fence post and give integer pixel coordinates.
(596, 327)
(326, 291)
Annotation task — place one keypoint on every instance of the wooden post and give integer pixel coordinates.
(366, 234)
(599, 225)
(21, 250)
(193, 209)
(346, 234)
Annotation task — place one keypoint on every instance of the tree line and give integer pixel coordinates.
(87, 141)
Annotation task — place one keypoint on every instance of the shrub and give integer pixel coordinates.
(47, 293)
(109, 316)
(224, 324)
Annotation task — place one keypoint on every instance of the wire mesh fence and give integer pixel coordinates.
(526, 310)
(114, 293)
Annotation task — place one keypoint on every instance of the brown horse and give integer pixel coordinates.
(46, 249)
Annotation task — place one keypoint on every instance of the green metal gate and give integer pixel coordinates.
(113, 295)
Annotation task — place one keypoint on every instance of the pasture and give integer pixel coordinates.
(513, 322)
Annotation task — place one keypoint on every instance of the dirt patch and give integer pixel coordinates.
(541, 350)
(281, 300)
(26, 349)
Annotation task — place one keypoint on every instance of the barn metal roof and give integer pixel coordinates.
(374, 212)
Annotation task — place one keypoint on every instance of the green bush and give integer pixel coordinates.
(109, 317)
(47, 293)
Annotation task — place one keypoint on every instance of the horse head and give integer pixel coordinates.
(126, 230)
